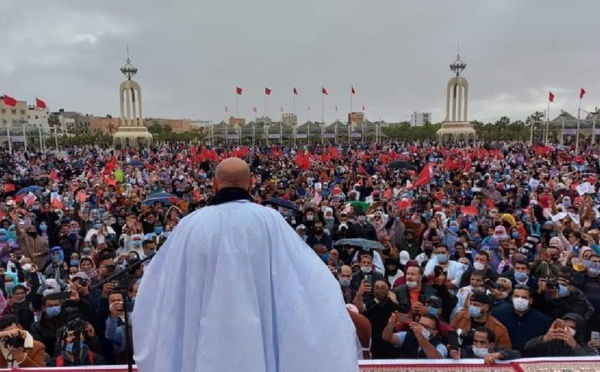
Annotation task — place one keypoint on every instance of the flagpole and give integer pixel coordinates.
(266, 112)
(8, 131)
(308, 124)
(294, 103)
(237, 106)
(547, 123)
(322, 107)
(351, 98)
(578, 125)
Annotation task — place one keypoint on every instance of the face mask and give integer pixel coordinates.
(3, 238)
(366, 269)
(572, 331)
(480, 352)
(53, 311)
(426, 333)
(26, 267)
(432, 311)
(362, 218)
(515, 235)
(55, 258)
(74, 231)
(158, 230)
(33, 234)
(43, 228)
(74, 262)
(70, 346)
(310, 217)
(593, 271)
(478, 266)
(19, 301)
(412, 284)
(136, 243)
(454, 228)
(428, 252)
(12, 234)
(521, 276)
(86, 251)
(9, 286)
(98, 226)
(504, 294)
(381, 294)
(474, 311)
(345, 282)
(563, 291)
(441, 258)
(520, 304)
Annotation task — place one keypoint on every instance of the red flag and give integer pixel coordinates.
(424, 177)
(255, 110)
(352, 90)
(56, 202)
(324, 91)
(581, 93)
(267, 91)
(9, 187)
(295, 91)
(9, 101)
(238, 90)
(363, 107)
(39, 103)
(550, 96)
(226, 109)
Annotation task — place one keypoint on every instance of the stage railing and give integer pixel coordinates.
(405, 365)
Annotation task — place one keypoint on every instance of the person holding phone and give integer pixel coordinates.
(564, 338)
(484, 347)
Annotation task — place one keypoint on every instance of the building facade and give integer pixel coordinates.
(12, 115)
(418, 119)
(356, 117)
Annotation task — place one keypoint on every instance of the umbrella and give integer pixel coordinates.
(136, 163)
(160, 197)
(281, 203)
(399, 164)
(33, 189)
(365, 244)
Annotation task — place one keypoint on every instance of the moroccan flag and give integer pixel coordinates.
(581, 93)
(9, 187)
(295, 91)
(363, 107)
(267, 91)
(255, 110)
(9, 101)
(324, 91)
(226, 109)
(424, 177)
(352, 90)
(56, 201)
(40, 104)
(550, 96)
(238, 91)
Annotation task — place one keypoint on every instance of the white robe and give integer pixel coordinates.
(234, 288)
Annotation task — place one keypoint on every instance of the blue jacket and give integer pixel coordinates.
(522, 328)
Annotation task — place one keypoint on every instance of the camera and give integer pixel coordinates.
(551, 283)
(465, 338)
(15, 342)
(111, 268)
(490, 284)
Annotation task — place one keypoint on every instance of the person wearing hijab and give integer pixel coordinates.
(224, 278)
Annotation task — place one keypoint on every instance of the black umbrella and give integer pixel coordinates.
(281, 203)
(399, 164)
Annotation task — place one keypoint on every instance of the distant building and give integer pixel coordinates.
(73, 123)
(418, 119)
(356, 117)
(237, 121)
(176, 125)
(289, 119)
(13, 115)
(201, 124)
(38, 117)
(109, 125)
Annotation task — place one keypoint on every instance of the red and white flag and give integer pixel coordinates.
(550, 96)
(581, 93)
(56, 201)
(324, 91)
(30, 198)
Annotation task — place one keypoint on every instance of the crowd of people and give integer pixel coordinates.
(486, 250)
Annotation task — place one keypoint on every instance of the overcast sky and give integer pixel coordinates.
(191, 55)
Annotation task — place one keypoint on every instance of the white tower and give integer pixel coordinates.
(131, 131)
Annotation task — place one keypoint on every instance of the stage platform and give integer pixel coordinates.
(583, 364)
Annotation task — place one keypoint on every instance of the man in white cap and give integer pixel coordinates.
(234, 288)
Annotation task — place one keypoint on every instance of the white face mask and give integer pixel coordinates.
(520, 304)
(572, 331)
(412, 284)
(478, 266)
(366, 269)
(425, 332)
(480, 352)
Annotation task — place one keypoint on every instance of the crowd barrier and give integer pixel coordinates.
(582, 364)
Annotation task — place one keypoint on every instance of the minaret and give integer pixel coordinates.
(132, 131)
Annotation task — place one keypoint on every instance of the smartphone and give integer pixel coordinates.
(453, 340)
(369, 279)
(596, 337)
(404, 318)
(560, 324)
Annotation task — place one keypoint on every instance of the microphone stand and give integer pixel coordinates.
(121, 276)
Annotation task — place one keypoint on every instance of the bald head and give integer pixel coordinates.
(232, 172)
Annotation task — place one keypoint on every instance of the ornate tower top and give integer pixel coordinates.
(128, 70)
(458, 66)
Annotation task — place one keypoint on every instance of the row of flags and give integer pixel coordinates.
(11, 102)
(239, 91)
(551, 95)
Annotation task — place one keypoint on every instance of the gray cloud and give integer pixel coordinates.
(192, 55)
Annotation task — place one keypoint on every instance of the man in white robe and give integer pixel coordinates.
(234, 288)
